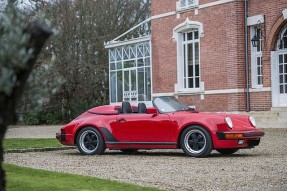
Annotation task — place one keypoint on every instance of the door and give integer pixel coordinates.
(148, 128)
(279, 78)
(130, 87)
(283, 79)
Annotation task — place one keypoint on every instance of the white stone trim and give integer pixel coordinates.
(220, 2)
(214, 92)
(231, 91)
(187, 25)
(284, 14)
(132, 41)
(254, 20)
(163, 94)
(163, 15)
(203, 6)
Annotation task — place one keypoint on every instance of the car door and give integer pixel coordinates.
(137, 127)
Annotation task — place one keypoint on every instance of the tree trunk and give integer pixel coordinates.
(39, 33)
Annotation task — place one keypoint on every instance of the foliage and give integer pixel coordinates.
(31, 119)
(20, 45)
(81, 61)
(21, 178)
(12, 39)
(45, 116)
(30, 143)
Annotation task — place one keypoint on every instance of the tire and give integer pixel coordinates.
(195, 141)
(129, 151)
(227, 151)
(90, 141)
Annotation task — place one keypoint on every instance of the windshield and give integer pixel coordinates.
(169, 104)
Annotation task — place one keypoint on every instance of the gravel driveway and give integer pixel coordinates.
(44, 131)
(262, 168)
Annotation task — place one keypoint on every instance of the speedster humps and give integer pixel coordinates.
(168, 125)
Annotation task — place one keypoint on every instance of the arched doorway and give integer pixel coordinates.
(279, 70)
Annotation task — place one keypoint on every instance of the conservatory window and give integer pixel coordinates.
(256, 60)
(130, 73)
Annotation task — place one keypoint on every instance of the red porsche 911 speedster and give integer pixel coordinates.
(168, 125)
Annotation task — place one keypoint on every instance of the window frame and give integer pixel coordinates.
(178, 32)
(125, 56)
(186, 75)
(256, 68)
(181, 7)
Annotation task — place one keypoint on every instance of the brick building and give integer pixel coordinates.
(201, 52)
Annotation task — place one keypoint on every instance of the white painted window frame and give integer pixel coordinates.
(178, 32)
(121, 51)
(187, 5)
(185, 59)
(254, 64)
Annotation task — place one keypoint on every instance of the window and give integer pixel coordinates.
(282, 44)
(256, 60)
(191, 77)
(282, 47)
(185, 4)
(130, 73)
(187, 35)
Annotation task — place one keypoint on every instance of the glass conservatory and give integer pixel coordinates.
(130, 66)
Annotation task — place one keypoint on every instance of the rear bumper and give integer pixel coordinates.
(65, 139)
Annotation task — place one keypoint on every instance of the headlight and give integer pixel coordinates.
(229, 122)
(252, 121)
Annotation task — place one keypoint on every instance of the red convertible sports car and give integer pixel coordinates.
(168, 125)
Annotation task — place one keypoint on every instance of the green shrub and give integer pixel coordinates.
(54, 117)
(31, 119)
(43, 117)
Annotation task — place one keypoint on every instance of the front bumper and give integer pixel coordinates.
(223, 135)
(238, 139)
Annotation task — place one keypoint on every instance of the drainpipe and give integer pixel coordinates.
(246, 58)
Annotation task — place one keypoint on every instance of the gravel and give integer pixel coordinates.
(261, 168)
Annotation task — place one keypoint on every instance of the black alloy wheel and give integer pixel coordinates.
(196, 141)
(90, 141)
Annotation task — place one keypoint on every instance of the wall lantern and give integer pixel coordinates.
(259, 35)
(255, 40)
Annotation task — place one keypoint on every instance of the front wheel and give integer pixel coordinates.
(90, 141)
(227, 151)
(196, 141)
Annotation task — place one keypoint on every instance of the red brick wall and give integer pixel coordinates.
(273, 22)
(222, 51)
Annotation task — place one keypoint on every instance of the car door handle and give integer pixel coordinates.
(121, 120)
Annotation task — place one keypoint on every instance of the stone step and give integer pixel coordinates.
(279, 109)
(275, 118)
(271, 125)
(283, 114)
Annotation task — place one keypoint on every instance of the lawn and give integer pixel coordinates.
(30, 143)
(22, 178)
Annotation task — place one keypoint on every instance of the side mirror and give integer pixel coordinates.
(152, 111)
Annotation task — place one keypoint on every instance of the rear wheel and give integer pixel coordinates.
(227, 151)
(196, 141)
(90, 141)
